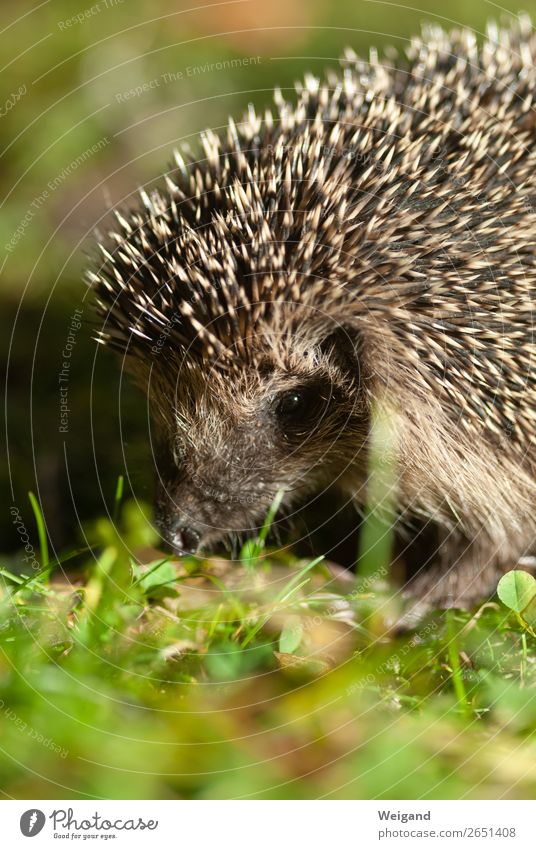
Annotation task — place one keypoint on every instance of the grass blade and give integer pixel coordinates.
(118, 497)
(253, 549)
(41, 529)
(454, 660)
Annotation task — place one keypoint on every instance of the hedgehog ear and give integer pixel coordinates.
(342, 345)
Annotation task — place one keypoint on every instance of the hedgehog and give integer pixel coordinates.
(363, 250)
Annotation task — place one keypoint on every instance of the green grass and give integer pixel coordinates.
(267, 678)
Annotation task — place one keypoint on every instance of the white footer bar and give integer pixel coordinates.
(270, 824)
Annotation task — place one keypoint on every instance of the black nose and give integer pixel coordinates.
(185, 540)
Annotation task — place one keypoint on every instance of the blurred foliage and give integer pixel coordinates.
(203, 679)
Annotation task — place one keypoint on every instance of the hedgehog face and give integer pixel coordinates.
(232, 441)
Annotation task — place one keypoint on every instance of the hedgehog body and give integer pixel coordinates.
(368, 246)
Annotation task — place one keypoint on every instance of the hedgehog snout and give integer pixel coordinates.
(179, 531)
(189, 517)
(184, 539)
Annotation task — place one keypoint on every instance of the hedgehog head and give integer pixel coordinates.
(228, 440)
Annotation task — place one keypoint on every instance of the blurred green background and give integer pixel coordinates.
(94, 97)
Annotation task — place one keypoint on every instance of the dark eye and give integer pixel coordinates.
(298, 407)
